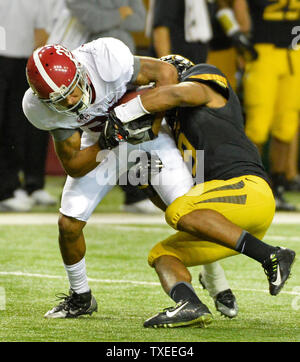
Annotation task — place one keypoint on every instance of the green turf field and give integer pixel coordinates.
(127, 289)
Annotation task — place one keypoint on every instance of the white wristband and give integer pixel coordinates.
(131, 110)
(228, 21)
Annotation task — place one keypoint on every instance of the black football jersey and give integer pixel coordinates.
(273, 21)
(219, 132)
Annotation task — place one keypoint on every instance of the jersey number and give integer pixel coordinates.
(282, 10)
(184, 145)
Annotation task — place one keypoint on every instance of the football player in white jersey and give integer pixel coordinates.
(73, 91)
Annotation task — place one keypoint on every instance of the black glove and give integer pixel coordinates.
(134, 132)
(112, 134)
(244, 46)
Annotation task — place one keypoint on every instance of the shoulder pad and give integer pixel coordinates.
(205, 73)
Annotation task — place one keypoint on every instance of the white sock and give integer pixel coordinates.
(214, 278)
(77, 276)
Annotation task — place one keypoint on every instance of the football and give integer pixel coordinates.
(132, 94)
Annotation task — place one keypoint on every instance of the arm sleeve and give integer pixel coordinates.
(95, 18)
(165, 13)
(136, 69)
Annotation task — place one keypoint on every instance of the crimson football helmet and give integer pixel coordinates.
(53, 73)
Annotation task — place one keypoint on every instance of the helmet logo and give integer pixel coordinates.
(60, 50)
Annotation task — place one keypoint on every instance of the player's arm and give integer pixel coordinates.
(160, 99)
(162, 41)
(155, 70)
(234, 18)
(40, 37)
(129, 118)
(186, 94)
(76, 162)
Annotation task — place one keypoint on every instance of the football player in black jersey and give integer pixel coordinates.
(227, 214)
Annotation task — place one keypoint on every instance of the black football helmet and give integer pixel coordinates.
(181, 63)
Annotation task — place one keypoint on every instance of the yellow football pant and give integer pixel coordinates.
(271, 94)
(246, 201)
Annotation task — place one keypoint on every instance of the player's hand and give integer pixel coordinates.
(113, 133)
(125, 11)
(134, 132)
(140, 130)
(244, 46)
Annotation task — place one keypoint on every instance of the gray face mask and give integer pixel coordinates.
(56, 98)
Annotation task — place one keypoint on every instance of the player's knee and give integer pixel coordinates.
(155, 253)
(173, 213)
(69, 228)
(195, 220)
(258, 136)
(285, 135)
(162, 253)
(186, 222)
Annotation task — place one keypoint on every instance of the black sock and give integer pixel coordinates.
(183, 291)
(253, 247)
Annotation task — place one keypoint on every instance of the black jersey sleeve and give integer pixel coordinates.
(209, 75)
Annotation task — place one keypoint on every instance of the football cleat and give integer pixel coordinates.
(281, 203)
(184, 314)
(42, 197)
(73, 305)
(225, 301)
(277, 267)
(226, 304)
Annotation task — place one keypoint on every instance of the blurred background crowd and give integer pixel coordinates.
(251, 41)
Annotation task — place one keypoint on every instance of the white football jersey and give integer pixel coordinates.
(109, 64)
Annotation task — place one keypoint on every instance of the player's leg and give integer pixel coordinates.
(72, 247)
(173, 181)
(260, 83)
(212, 277)
(176, 282)
(229, 213)
(284, 128)
(170, 259)
(292, 167)
(171, 272)
(79, 199)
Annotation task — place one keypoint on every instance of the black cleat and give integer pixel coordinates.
(277, 267)
(294, 184)
(226, 304)
(280, 201)
(184, 314)
(73, 305)
(283, 205)
(225, 301)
